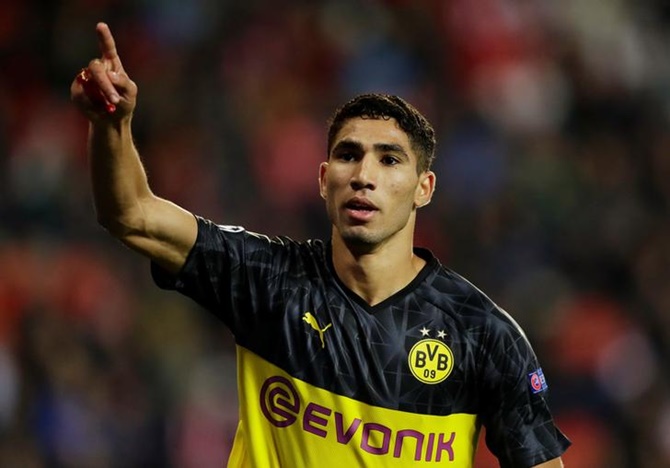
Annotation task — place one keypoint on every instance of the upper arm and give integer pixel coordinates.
(163, 231)
(519, 426)
(555, 463)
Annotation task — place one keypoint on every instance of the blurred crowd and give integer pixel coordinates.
(553, 196)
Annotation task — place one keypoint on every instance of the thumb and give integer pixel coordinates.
(114, 77)
(120, 80)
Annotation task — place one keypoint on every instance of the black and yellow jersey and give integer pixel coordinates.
(326, 380)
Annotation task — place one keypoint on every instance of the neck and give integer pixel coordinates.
(375, 273)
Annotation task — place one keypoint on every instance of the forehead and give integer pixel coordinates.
(369, 132)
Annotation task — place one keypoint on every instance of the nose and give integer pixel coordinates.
(363, 176)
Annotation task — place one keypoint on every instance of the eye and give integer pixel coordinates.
(345, 156)
(389, 160)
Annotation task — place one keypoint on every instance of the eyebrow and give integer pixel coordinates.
(378, 147)
(390, 148)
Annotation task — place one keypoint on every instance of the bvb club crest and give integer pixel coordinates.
(431, 360)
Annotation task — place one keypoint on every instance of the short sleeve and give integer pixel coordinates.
(520, 429)
(225, 272)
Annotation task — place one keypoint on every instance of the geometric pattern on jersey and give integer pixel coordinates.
(288, 311)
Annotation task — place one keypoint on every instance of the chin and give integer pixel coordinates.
(359, 238)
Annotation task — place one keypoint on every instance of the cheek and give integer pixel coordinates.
(330, 198)
(331, 190)
(403, 191)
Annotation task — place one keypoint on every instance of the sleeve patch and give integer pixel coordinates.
(231, 229)
(537, 381)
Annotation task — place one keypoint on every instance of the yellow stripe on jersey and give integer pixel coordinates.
(286, 422)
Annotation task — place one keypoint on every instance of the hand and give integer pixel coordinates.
(103, 90)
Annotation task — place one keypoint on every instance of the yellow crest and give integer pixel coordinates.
(431, 361)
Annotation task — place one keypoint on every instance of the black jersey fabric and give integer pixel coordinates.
(437, 348)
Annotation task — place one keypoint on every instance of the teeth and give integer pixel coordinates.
(354, 205)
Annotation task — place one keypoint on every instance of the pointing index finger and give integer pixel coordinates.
(108, 46)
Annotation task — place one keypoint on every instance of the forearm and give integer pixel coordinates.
(119, 181)
(124, 203)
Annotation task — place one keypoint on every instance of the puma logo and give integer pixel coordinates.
(311, 321)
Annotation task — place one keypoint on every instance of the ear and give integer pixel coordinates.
(424, 189)
(323, 169)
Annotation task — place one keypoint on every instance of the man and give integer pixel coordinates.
(361, 350)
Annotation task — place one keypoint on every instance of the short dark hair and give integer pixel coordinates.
(385, 106)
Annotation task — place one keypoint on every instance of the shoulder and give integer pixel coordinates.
(208, 229)
(237, 242)
(453, 292)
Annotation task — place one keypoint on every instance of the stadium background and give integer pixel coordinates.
(553, 195)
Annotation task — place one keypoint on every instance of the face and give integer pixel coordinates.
(370, 183)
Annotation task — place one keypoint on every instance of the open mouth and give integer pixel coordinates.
(357, 206)
(360, 204)
(360, 209)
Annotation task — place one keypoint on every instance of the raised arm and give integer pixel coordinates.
(555, 463)
(124, 203)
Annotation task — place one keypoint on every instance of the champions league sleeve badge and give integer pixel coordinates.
(537, 381)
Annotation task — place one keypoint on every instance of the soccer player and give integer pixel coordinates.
(362, 350)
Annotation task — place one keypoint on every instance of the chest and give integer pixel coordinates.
(409, 355)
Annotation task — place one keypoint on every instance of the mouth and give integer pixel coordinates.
(360, 209)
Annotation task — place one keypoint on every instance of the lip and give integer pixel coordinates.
(360, 209)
